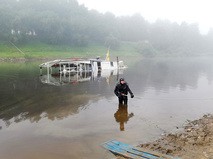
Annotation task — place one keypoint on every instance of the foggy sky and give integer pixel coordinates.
(190, 11)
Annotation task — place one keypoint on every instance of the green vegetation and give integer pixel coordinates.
(52, 28)
(41, 51)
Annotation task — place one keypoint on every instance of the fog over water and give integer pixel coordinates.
(176, 11)
(40, 120)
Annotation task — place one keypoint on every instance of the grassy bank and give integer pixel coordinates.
(43, 51)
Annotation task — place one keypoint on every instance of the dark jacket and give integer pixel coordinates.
(122, 89)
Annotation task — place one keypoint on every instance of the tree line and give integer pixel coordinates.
(68, 23)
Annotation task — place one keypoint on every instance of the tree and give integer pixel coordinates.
(5, 21)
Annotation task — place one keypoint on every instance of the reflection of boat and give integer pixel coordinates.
(59, 79)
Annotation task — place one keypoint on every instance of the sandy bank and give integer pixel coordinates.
(195, 141)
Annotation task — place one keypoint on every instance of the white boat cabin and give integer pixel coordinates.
(82, 65)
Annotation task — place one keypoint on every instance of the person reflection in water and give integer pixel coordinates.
(121, 91)
(122, 116)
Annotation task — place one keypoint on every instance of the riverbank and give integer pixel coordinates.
(41, 50)
(194, 140)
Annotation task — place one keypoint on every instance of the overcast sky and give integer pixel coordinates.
(190, 11)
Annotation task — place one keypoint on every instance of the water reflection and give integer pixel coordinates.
(122, 116)
(164, 74)
(60, 79)
(25, 95)
(80, 116)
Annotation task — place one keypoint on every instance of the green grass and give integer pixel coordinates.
(42, 51)
(7, 51)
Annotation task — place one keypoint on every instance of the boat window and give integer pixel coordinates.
(111, 63)
(99, 65)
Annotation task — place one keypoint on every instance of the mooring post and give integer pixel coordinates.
(117, 62)
(40, 71)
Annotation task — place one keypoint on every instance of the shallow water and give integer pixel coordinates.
(72, 119)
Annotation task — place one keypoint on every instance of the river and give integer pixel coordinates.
(63, 119)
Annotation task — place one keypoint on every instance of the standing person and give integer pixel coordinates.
(121, 91)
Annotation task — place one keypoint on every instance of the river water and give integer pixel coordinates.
(60, 117)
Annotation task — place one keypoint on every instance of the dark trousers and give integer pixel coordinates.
(123, 100)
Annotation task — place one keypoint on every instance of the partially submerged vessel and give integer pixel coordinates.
(83, 65)
(71, 70)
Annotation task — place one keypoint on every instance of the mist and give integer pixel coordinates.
(66, 22)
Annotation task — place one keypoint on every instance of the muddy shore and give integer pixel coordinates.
(194, 141)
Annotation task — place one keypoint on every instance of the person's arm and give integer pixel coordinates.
(116, 91)
(129, 90)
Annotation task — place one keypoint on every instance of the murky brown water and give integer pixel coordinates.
(71, 120)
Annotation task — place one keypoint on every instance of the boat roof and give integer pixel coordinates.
(71, 60)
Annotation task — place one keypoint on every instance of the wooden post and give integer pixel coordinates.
(117, 62)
